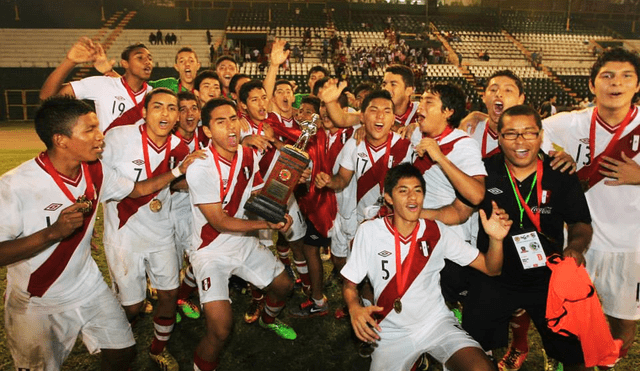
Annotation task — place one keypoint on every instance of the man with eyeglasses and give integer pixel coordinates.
(539, 200)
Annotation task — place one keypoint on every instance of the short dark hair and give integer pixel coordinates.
(373, 95)
(235, 79)
(520, 110)
(186, 95)
(453, 98)
(312, 100)
(225, 58)
(319, 84)
(126, 53)
(247, 87)
(401, 171)
(364, 86)
(206, 74)
(315, 69)
(281, 82)
(509, 74)
(186, 49)
(213, 104)
(404, 71)
(155, 91)
(58, 115)
(615, 55)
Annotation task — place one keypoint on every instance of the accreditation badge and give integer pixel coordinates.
(529, 249)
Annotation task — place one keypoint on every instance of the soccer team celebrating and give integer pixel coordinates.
(407, 194)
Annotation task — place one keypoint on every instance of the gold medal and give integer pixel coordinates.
(84, 200)
(155, 205)
(397, 305)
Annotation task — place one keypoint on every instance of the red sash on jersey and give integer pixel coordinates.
(377, 171)
(208, 233)
(134, 114)
(407, 117)
(319, 204)
(289, 135)
(589, 174)
(425, 162)
(431, 236)
(43, 277)
(129, 206)
(484, 143)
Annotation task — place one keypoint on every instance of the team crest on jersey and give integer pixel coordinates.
(384, 253)
(206, 284)
(138, 162)
(494, 191)
(247, 172)
(52, 207)
(172, 162)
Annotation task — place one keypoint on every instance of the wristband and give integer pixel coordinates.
(176, 172)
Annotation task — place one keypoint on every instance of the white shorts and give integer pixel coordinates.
(342, 234)
(129, 270)
(42, 341)
(267, 237)
(243, 257)
(400, 350)
(617, 279)
(182, 231)
(298, 228)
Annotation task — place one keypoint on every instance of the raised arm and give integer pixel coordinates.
(329, 94)
(277, 57)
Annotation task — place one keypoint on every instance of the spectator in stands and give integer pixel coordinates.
(152, 38)
(159, 37)
(167, 38)
(349, 40)
(208, 37)
(212, 53)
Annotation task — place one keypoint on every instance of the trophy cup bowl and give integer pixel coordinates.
(271, 202)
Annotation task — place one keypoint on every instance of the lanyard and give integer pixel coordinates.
(48, 166)
(132, 95)
(592, 132)
(216, 158)
(145, 152)
(385, 157)
(522, 203)
(401, 279)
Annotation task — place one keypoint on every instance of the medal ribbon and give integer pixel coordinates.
(132, 95)
(385, 158)
(592, 134)
(523, 203)
(216, 158)
(48, 166)
(145, 152)
(401, 279)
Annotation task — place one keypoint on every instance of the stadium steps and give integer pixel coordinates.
(453, 57)
(83, 72)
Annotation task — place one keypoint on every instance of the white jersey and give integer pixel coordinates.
(373, 256)
(204, 181)
(30, 201)
(131, 222)
(114, 105)
(486, 138)
(356, 157)
(465, 155)
(408, 116)
(615, 210)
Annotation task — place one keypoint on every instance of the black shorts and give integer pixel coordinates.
(488, 309)
(314, 238)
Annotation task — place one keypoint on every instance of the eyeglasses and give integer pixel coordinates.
(527, 135)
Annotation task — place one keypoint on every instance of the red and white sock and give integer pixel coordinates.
(200, 364)
(162, 328)
(283, 254)
(303, 272)
(271, 310)
(519, 329)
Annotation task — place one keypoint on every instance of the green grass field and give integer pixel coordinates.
(323, 343)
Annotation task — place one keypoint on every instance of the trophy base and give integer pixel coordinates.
(268, 209)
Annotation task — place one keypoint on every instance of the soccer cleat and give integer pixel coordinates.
(178, 317)
(165, 361)
(280, 328)
(551, 364)
(422, 364)
(253, 312)
(513, 360)
(458, 314)
(189, 308)
(309, 309)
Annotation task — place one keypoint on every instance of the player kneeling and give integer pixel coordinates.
(219, 187)
(402, 255)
